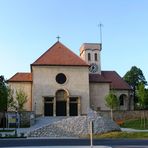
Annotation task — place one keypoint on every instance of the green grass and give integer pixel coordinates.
(132, 135)
(6, 130)
(135, 124)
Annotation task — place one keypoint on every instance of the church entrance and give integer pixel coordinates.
(61, 103)
(61, 108)
(48, 106)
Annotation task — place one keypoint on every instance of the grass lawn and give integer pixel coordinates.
(134, 135)
(6, 130)
(135, 124)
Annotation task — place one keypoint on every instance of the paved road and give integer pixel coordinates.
(115, 143)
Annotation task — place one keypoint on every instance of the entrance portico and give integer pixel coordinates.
(62, 104)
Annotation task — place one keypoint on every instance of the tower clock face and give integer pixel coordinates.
(93, 68)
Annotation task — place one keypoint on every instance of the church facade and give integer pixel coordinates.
(63, 84)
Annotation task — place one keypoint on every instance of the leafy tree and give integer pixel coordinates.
(133, 77)
(141, 93)
(3, 100)
(142, 99)
(11, 103)
(112, 102)
(146, 95)
(3, 94)
(21, 98)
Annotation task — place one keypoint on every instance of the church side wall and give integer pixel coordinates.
(26, 87)
(128, 101)
(98, 92)
(44, 84)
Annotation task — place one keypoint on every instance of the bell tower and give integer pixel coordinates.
(90, 52)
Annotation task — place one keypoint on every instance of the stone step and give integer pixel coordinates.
(73, 127)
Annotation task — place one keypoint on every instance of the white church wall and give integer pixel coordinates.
(98, 92)
(26, 87)
(44, 84)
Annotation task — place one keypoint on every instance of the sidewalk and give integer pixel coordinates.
(132, 130)
(64, 147)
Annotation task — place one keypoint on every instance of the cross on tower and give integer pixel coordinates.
(58, 38)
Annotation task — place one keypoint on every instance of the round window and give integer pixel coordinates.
(60, 78)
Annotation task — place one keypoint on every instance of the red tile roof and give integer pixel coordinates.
(111, 76)
(21, 77)
(97, 78)
(59, 54)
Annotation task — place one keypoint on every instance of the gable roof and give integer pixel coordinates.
(21, 77)
(59, 55)
(116, 82)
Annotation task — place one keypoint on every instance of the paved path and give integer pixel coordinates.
(63, 147)
(132, 130)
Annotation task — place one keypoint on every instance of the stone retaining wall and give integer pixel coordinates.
(124, 115)
(75, 127)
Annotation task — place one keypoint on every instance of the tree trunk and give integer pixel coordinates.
(111, 114)
(3, 120)
(144, 119)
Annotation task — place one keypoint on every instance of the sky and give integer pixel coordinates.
(29, 27)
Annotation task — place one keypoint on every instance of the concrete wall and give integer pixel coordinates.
(125, 115)
(98, 91)
(44, 84)
(26, 87)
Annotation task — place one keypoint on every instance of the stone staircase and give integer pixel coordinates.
(72, 126)
(39, 123)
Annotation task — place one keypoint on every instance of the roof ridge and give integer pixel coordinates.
(46, 51)
(72, 52)
(59, 54)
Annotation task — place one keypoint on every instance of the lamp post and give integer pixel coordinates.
(16, 121)
(91, 115)
(91, 133)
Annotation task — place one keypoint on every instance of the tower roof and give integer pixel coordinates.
(59, 55)
(94, 46)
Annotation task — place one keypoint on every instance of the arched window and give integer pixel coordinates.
(96, 56)
(61, 95)
(122, 99)
(89, 56)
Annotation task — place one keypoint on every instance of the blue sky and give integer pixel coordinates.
(29, 27)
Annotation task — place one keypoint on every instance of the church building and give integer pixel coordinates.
(62, 83)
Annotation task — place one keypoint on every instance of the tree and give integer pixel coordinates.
(3, 100)
(3, 94)
(146, 95)
(112, 102)
(141, 94)
(11, 103)
(21, 98)
(142, 99)
(133, 77)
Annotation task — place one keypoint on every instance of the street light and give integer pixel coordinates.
(16, 122)
(91, 115)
